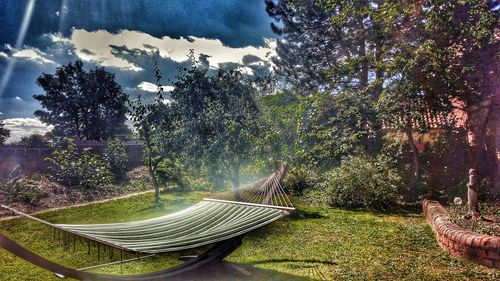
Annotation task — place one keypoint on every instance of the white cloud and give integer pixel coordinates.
(150, 87)
(3, 55)
(59, 38)
(18, 98)
(96, 46)
(33, 54)
(21, 127)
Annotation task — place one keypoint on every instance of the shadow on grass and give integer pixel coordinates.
(217, 273)
(407, 210)
(299, 214)
(311, 261)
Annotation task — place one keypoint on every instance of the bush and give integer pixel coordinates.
(85, 170)
(198, 184)
(170, 171)
(116, 157)
(301, 178)
(25, 192)
(363, 183)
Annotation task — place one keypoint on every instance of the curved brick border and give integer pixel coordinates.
(460, 242)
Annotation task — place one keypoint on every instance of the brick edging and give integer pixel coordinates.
(460, 242)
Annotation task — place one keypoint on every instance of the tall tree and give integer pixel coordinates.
(156, 125)
(83, 104)
(4, 133)
(220, 119)
(456, 63)
(330, 43)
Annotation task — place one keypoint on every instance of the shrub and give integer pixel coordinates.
(363, 182)
(26, 192)
(301, 178)
(170, 171)
(116, 157)
(198, 184)
(86, 170)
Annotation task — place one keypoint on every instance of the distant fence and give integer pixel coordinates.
(32, 159)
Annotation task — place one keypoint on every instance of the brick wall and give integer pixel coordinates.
(32, 160)
(460, 242)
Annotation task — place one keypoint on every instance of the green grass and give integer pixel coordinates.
(313, 244)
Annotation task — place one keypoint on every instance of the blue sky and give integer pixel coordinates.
(36, 36)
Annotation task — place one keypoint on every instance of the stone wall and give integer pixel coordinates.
(32, 160)
(460, 242)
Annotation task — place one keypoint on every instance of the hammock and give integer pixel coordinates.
(226, 216)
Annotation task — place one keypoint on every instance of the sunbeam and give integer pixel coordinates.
(63, 11)
(19, 42)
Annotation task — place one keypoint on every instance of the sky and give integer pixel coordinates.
(37, 36)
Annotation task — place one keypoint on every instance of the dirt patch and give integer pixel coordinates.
(139, 174)
(36, 194)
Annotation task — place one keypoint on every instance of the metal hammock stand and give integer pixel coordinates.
(222, 221)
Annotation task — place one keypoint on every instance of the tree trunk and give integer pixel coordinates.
(151, 169)
(155, 182)
(416, 162)
(235, 178)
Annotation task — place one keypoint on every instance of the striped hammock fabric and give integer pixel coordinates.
(228, 215)
(204, 223)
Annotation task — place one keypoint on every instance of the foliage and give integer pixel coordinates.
(35, 141)
(218, 119)
(337, 126)
(305, 53)
(24, 192)
(155, 124)
(198, 183)
(115, 155)
(4, 133)
(281, 117)
(382, 64)
(83, 104)
(363, 182)
(172, 171)
(86, 170)
(301, 178)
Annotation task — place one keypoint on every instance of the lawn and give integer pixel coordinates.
(315, 243)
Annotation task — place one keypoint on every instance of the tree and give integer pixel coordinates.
(282, 115)
(4, 133)
(219, 119)
(82, 104)
(155, 124)
(35, 140)
(461, 43)
(441, 58)
(407, 58)
(330, 43)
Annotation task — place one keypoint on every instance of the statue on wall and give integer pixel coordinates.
(473, 195)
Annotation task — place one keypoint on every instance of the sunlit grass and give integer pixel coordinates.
(313, 244)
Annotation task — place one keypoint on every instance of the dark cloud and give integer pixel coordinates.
(249, 59)
(237, 23)
(88, 52)
(147, 46)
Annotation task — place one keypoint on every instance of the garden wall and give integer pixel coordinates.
(32, 160)
(460, 242)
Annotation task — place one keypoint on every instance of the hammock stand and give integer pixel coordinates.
(264, 200)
